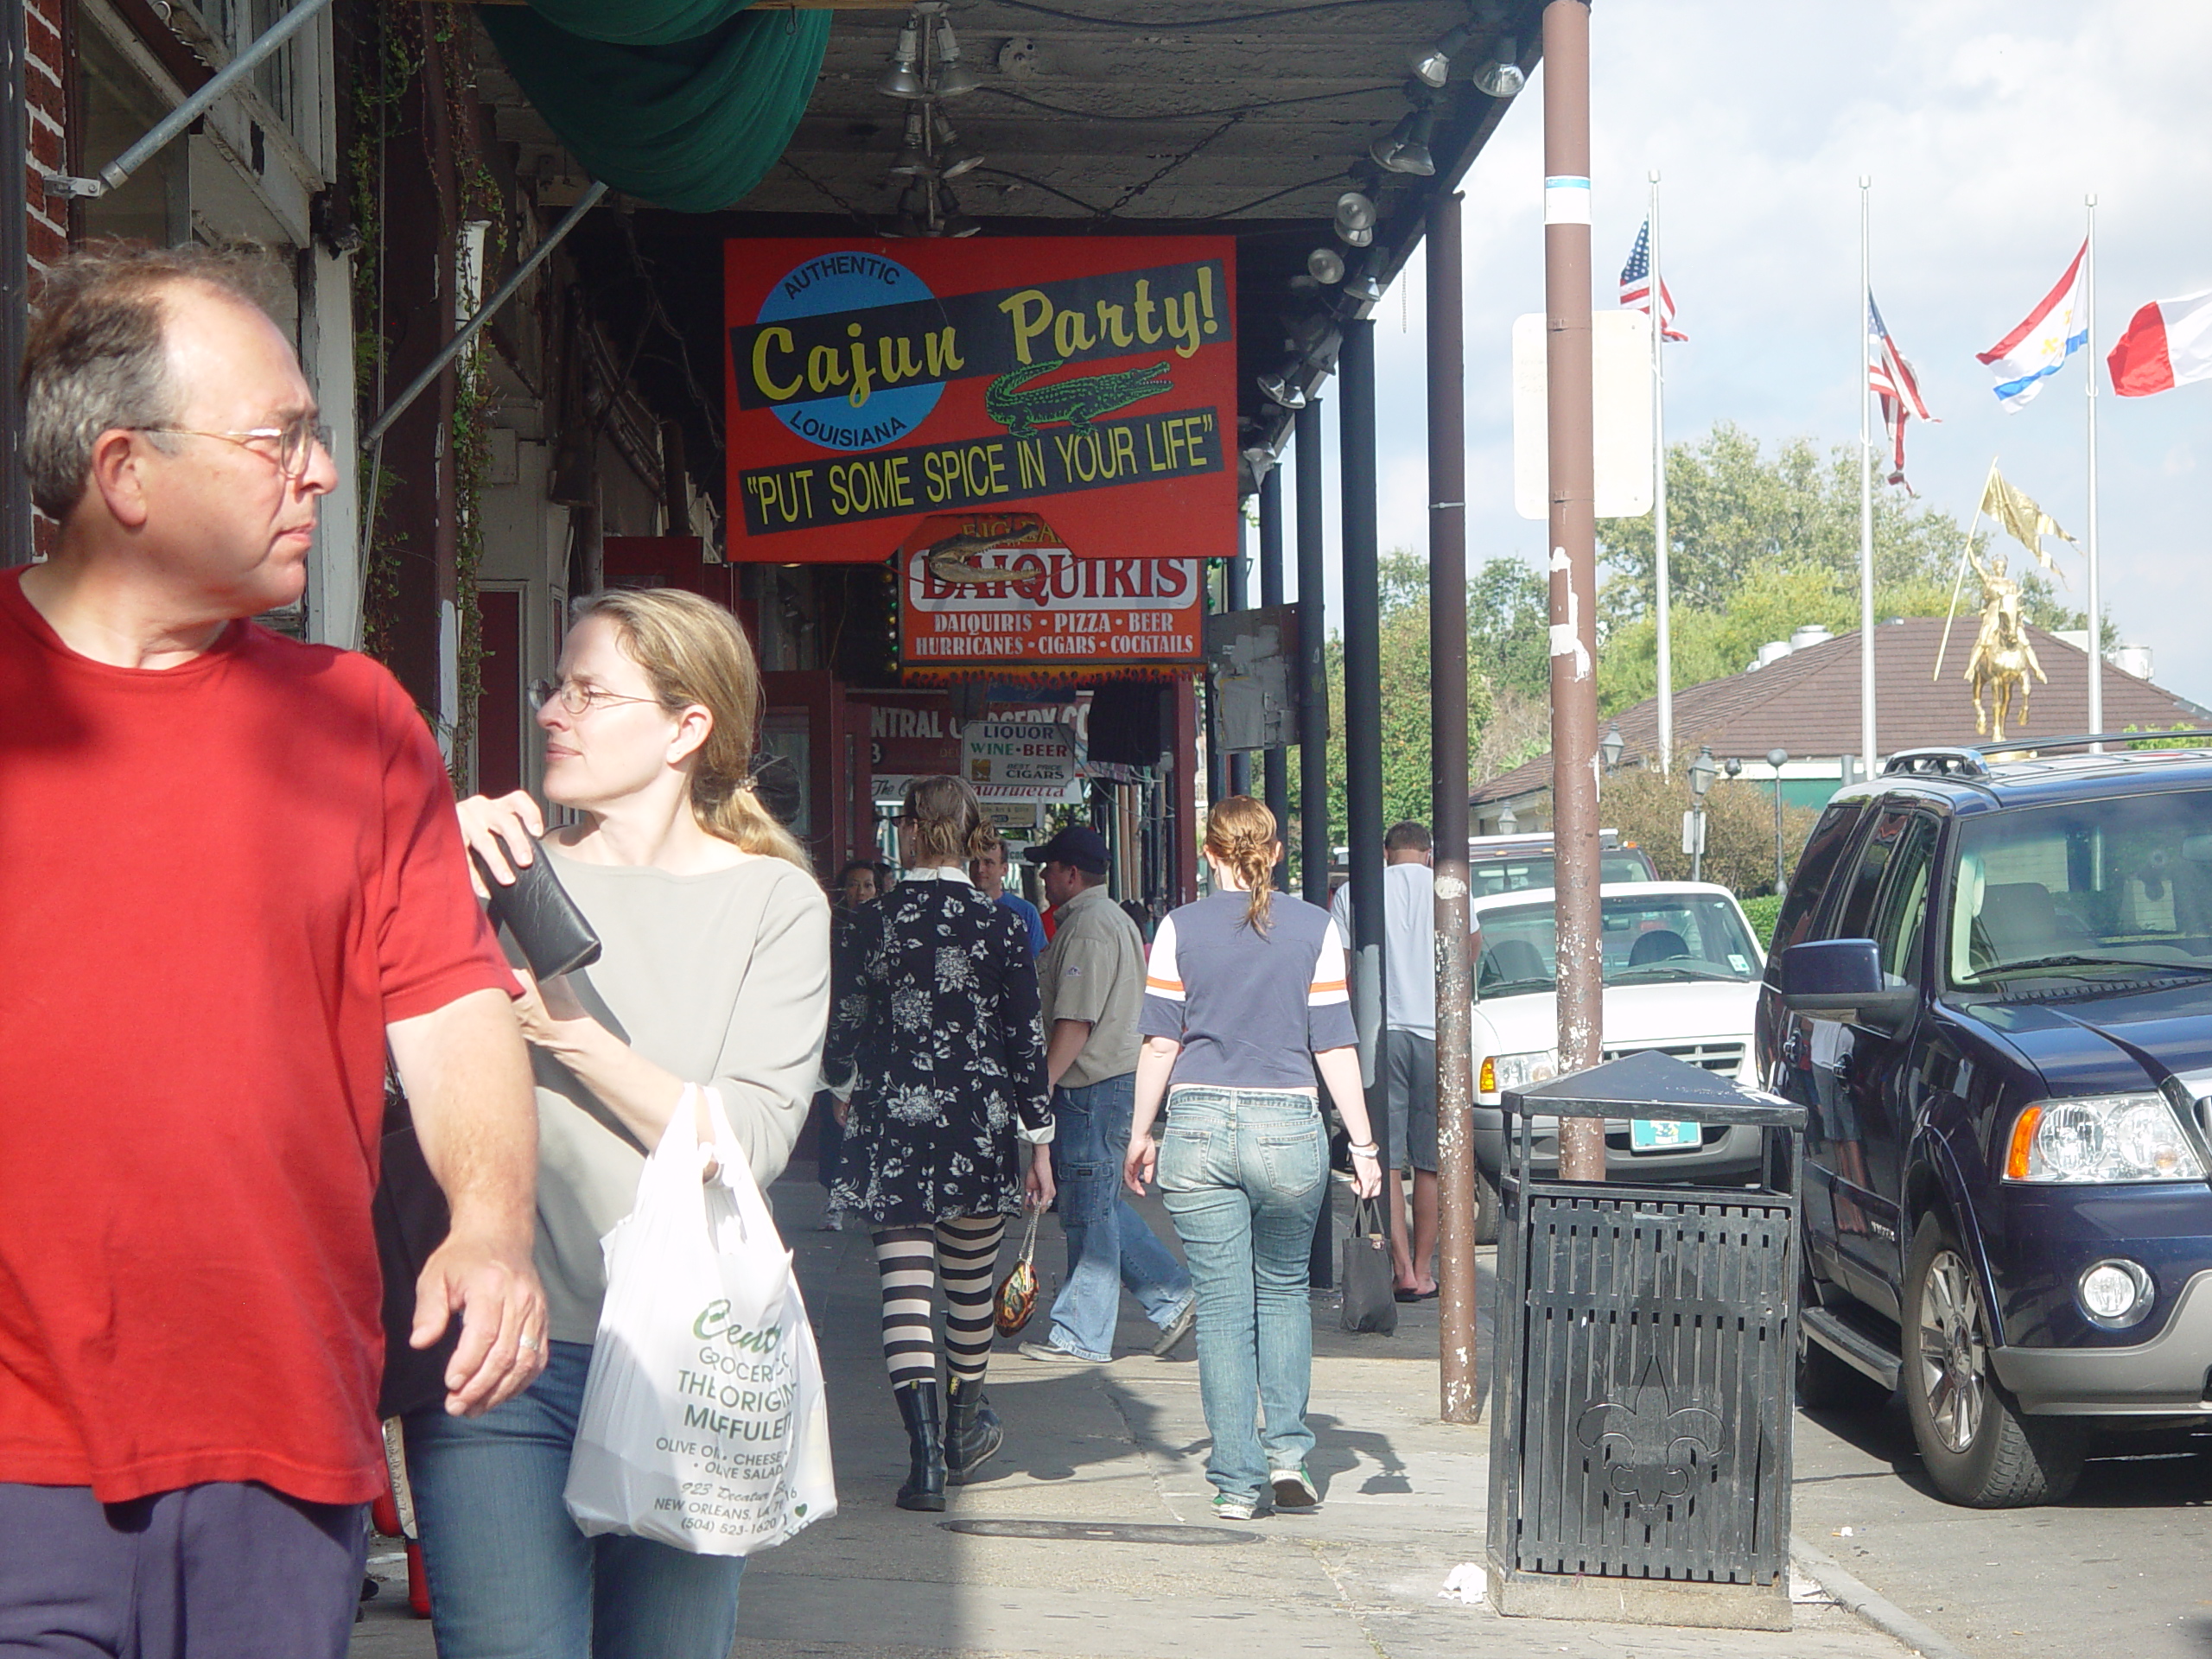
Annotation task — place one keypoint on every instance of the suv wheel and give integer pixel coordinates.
(1486, 1206)
(1979, 1449)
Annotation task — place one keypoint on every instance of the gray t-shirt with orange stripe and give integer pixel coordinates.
(1249, 1008)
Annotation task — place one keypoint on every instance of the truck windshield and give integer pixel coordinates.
(1667, 938)
(2087, 888)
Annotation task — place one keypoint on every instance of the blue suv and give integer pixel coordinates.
(1991, 987)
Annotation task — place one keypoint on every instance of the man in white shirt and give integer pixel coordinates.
(1406, 1065)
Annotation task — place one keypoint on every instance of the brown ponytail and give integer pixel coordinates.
(1241, 833)
(949, 824)
(693, 651)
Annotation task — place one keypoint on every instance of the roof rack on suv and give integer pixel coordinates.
(1972, 760)
(1939, 762)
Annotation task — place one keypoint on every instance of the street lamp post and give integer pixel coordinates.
(1703, 772)
(1777, 759)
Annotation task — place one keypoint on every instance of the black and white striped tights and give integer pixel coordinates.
(961, 1253)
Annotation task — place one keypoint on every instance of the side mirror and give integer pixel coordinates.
(1842, 979)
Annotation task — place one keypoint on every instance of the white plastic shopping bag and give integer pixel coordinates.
(703, 1423)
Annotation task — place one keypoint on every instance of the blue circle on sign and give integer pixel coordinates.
(851, 281)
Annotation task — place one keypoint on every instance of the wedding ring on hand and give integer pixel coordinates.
(527, 1344)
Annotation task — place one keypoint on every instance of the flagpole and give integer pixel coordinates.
(1661, 577)
(1960, 580)
(2090, 388)
(1866, 745)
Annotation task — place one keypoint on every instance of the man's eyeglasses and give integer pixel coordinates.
(291, 446)
(574, 696)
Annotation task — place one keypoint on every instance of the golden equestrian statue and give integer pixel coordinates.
(2002, 658)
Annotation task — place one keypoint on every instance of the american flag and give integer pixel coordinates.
(1891, 378)
(1635, 286)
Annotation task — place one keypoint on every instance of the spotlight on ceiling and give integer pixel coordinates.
(1433, 66)
(1405, 149)
(1502, 76)
(1285, 386)
(1355, 220)
(1367, 287)
(952, 221)
(952, 158)
(1325, 266)
(953, 79)
(913, 212)
(899, 81)
(913, 157)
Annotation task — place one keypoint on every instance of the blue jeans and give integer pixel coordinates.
(1111, 1247)
(1244, 1173)
(512, 1577)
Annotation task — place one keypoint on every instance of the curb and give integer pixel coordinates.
(1871, 1606)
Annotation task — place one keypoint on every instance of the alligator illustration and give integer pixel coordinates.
(1076, 402)
(952, 560)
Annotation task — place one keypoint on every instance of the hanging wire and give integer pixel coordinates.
(1182, 24)
(1189, 115)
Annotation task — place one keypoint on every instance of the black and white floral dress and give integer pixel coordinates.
(938, 1031)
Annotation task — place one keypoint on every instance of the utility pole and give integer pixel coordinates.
(1459, 1400)
(1313, 728)
(1239, 585)
(1574, 565)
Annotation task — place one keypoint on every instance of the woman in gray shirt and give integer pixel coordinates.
(1245, 996)
(714, 969)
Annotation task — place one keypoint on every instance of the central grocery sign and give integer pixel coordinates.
(872, 384)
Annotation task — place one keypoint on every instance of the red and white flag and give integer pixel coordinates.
(2168, 344)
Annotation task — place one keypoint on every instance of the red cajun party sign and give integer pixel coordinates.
(1090, 379)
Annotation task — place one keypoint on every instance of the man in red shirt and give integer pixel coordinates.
(230, 877)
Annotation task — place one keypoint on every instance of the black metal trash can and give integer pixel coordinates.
(1641, 1395)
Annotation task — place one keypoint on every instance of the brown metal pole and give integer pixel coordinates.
(1460, 1401)
(1573, 563)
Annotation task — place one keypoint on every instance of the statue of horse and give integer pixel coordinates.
(2001, 663)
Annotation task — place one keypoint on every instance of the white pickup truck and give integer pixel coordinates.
(1682, 971)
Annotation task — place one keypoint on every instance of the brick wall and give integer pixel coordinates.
(47, 230)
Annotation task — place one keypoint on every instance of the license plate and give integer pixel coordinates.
(1661, 1134)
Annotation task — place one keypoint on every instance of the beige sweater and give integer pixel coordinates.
(721, 978)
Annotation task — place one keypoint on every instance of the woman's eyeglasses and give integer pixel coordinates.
(575, 696)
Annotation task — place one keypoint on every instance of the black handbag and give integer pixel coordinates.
(539, 916)
(1370, 1301)
(411, 1221)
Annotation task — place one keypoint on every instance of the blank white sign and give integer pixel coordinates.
(1621, 395)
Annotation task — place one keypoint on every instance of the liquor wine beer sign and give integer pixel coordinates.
(872, 383)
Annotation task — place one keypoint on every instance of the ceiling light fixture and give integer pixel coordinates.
(1325, 266)
(1405, 149)
(913, 157)
(952, 79)
(1433, 66)
(1354, 219)
(1502, 76)
(952, 220)
(1366, 287)
(1286, 385)
(951, 158)
(899, 81)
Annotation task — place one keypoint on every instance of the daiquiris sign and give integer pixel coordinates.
(871, 383)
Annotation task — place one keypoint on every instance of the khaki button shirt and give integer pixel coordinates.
(1094, 969)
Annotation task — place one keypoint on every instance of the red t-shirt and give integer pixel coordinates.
(217, 883)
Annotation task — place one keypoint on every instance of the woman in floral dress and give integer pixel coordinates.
(937, 1048)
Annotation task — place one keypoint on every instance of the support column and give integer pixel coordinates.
(1363, 716)
(1312, 663)
(1573, 564)
(1313, 730)
(1275, 761)
(1240, 598)
(1459, 1398)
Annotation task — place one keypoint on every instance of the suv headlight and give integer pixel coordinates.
(1503, 1071)
(2101, 1138)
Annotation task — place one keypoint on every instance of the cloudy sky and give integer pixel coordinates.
(1983, 123)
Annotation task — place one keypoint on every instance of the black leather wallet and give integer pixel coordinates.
(540, 917)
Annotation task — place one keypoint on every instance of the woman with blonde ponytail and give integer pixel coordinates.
(1244, 1000)
(713, 970)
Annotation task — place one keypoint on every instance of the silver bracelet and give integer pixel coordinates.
(1367, 1151)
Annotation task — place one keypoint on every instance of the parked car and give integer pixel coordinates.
(1681, 972)
(1519, 863)
(1991, 990)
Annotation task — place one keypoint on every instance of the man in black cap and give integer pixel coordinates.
(1092, 978)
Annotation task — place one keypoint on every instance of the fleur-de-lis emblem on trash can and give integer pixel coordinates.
(1651, 1448)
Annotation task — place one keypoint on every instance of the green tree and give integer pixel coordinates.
(1760, 546)
(1406, 791)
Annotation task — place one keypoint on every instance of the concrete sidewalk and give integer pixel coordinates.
(1092, 1538)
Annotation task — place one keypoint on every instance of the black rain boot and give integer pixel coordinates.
(917, 1405)
(971, 1431)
